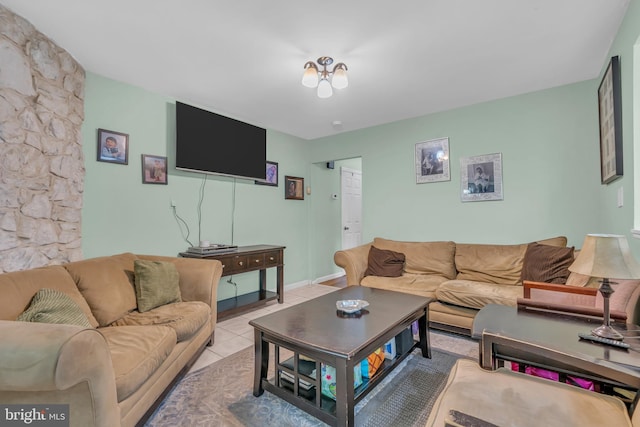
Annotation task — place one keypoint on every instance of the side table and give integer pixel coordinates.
(243, 260)
(510, 333)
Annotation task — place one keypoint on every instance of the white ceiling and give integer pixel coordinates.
(407, 58)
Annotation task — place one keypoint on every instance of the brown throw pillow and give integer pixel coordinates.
(384, 263)
(548, 264)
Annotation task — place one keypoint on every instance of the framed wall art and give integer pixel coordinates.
(113, 147)
(432, 161)
(610, 117)
(293, 188)
(272, 175)
(481, 178)
(154, 169)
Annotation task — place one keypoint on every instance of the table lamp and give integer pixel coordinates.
(606, 256)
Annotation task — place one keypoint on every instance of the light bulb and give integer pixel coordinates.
(339, 80)
(324, 89)
(310, 76)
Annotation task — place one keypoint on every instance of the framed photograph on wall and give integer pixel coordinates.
(610, 117)
(293, 188)
(154, 169)
(481, 178)
(113, 147)
(432, 161)
(272, 175)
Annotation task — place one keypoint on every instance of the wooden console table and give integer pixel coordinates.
(243, 260)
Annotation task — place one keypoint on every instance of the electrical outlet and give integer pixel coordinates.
(173, 203)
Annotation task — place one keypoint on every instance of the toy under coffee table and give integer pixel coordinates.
(320, 335)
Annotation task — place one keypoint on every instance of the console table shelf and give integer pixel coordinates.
(244, 260)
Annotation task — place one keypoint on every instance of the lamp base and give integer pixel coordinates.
(606, 331)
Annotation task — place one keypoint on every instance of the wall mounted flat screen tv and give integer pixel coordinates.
(210, 143)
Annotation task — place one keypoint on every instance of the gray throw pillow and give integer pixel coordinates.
(52, 306)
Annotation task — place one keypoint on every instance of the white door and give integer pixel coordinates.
(351, 207)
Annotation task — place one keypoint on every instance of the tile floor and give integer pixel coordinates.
(235, 334)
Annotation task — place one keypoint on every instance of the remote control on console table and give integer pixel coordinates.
(595, 338)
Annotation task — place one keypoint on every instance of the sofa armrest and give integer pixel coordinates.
(67, 364)
(199, 279)
(354, 261)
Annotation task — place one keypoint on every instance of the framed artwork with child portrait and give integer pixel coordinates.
(432, 161)
(272, 175)
(113, 147)
(154, 169)
(481, 178)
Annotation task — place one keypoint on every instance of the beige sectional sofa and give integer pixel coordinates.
(112, 373)
(462, 278)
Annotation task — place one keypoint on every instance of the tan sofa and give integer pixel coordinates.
(112, 374)
(462, 278)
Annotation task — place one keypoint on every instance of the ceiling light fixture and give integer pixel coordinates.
(313, 77)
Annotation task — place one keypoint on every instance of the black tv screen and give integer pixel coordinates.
(211, 143)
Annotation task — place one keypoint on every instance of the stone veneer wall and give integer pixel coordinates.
(41, 160)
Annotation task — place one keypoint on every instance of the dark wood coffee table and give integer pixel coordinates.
(317, 330)
(554, 336)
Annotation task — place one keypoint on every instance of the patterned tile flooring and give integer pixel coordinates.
(235, 334)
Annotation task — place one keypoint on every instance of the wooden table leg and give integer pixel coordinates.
(280, 284)
(423, 333)
(345, 393)
(261, 362)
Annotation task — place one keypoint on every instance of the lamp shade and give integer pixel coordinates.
(310, 76)
(339, 80)
(324, 89)
(606, 256)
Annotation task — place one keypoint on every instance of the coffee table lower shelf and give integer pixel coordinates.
(326, 411)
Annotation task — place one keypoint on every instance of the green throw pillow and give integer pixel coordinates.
(51, 306)
(157, 283)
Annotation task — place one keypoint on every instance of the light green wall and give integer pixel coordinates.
(326, 215)
(620, 220)
(548, 139)
(122, 214)
(549, 145)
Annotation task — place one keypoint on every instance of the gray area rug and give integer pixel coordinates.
(221, 395)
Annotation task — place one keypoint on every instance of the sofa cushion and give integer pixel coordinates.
(471, 294)
(490, 263)
(554, 241)
(186, 318)
(417, 284)
(548, 264)
(423, 257)
(157, 283)
(107, 285)
(52, 306)
(136, 353)
(19, 287)
(384, 263)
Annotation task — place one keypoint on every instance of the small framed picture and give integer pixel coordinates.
(293, 188)
(481, 178)
(113, 147)
(432, 161)
(154, 169)
(272, 175)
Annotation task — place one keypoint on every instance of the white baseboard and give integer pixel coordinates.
(297, 284)
(329, 277)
